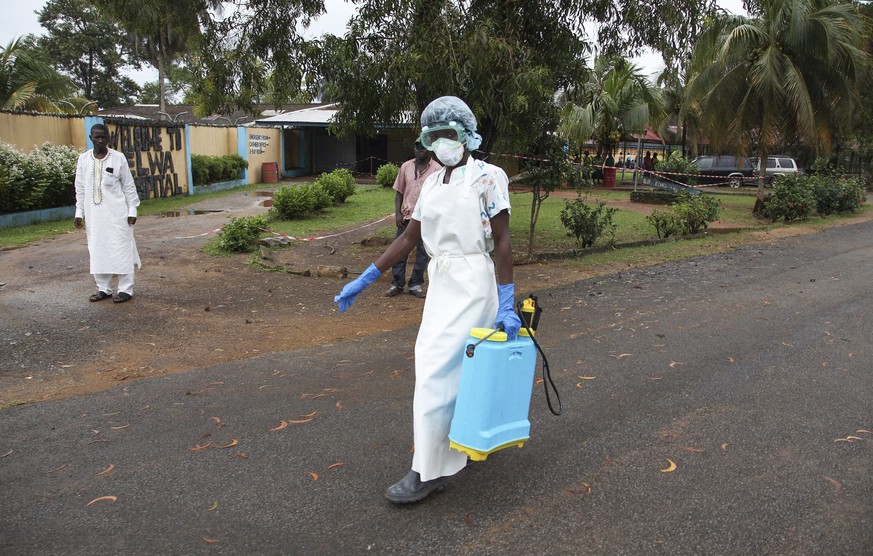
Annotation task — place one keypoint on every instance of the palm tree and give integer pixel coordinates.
(793, 70)
(616, 101)
(29, 83)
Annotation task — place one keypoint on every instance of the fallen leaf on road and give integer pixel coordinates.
(725, 446)
(608, 459)
(121, 427)
(56, 469)
(859, 431)
(310, 414)
(233, 442)
(339, 405)
(586, 377)
(301, 422)
(335, 465)
(584, 489)
(280, 427)
(621, 356)
(7, 453)
(655, 378)
(837, 484)
(102, 499)
(673, 364)
(670, 467)
(199, 447)
(314, 475)
(693, 450)
(107, 470)
(211, 541)
(213, 507)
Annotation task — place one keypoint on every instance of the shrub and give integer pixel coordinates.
(586, 223)
(387, 174)
(241, 234)
(665, 223)
(207, 169)
(321, 196)
(300, 200)
(340, 184)
(43, 178)
(677, 164)
(695, 212)
(792, 199)
(852, 194)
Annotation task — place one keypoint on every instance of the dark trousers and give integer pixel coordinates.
(421, 260)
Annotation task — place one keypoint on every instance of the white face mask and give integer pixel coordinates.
(449, 152)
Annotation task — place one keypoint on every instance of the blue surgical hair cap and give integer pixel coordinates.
(453, 109)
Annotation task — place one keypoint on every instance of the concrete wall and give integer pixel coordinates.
(26, 131)
(213, 141)
(156, 153)
(264, 146)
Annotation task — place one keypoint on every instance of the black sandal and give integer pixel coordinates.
(121, 297)
(99, 296)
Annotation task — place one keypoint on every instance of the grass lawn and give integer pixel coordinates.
(371, 203)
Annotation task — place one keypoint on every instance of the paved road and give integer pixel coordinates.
(744, 369)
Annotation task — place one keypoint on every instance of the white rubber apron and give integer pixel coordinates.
(462, 294)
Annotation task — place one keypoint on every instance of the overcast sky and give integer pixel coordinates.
(19, 18)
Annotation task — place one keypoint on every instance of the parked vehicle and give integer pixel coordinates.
(777, 164)
(725, 169)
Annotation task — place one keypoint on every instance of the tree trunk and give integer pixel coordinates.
(162, 48)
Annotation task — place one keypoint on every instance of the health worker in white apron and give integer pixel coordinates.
(461, 216)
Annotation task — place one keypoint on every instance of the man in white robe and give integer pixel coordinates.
(106, 199)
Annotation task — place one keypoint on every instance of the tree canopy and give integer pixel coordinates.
(793, 70)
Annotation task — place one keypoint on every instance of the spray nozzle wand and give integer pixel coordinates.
(472, 347)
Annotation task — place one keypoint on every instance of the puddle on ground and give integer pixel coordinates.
(185, 212)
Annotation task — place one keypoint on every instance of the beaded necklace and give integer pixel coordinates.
(97, 178)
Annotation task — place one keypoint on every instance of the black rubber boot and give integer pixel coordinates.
(411, 489)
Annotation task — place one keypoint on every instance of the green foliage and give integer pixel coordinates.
(43, 178)
(241, 234)
(677, 164)
(206, 169)
(588, 223)
(665, 222)
(793, 69)
(299, 200)
(339, 184)
(90, 48)
(834, 194)
(689, 215)
(792, 199)
(28, 81)
(695, 212)
(387, 174)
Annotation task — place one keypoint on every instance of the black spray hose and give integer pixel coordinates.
(547, 375)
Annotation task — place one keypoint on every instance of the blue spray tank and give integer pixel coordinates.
(491, 411)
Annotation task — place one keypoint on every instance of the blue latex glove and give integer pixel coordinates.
(506, 311)
(356, 286)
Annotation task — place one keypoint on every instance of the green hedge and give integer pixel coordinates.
(41, 179)
(206, 169)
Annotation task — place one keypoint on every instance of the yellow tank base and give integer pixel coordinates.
(477, 455)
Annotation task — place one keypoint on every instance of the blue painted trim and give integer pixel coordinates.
(90, 121)
(188, 156)
(242, 147)
(35, 216)
(219, 186)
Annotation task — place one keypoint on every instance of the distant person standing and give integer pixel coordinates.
(408, 187)
(106, 198)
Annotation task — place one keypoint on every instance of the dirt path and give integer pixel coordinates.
(192, 311)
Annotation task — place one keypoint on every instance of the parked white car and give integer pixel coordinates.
(778, 164)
